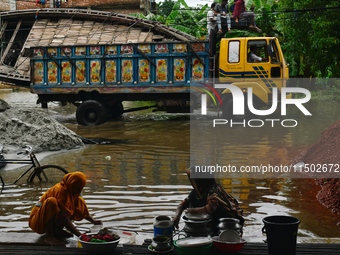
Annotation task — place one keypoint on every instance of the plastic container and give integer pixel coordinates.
(281, 234)
(163, 226)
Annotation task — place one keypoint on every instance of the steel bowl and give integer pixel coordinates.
(197, 224)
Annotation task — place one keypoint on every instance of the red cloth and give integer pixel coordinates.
(238, 9)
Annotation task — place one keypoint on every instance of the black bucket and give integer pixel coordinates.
(281, 234)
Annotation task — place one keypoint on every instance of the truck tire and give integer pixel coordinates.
(91, 113)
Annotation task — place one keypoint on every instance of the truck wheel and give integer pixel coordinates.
(91, 113)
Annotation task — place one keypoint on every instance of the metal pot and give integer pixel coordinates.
(197, 227)
(161, 243)
(196, 224)
(230, 223)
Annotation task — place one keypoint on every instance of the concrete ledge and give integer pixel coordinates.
(21, 238)
(31, 238)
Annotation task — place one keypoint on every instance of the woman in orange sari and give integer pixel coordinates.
(58, 207)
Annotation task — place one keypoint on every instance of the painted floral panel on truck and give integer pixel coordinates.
(179, 69)
(95, 71)
(111, 71)
(80, 73)
(144, 70)
(52, 72)
(38, 72)
(66, 72)
(162, 70)
(127, 70)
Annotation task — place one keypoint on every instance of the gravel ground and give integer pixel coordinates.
(20, 127)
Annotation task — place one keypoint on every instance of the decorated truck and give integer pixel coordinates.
(99, 78)
(98, 60)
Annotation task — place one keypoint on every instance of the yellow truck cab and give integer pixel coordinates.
(251, 62)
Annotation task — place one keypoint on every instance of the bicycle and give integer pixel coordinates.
(39, 173)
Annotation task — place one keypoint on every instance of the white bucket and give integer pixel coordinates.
(163, 226)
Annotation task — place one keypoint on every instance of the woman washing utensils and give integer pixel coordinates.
(58, 207)
(208, 197)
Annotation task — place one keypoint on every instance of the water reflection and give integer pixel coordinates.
(140, 173)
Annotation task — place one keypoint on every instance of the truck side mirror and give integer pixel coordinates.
(270, 51)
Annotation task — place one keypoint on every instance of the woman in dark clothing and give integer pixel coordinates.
(209, 197)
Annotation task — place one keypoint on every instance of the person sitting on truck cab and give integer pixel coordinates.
(212, 20)
(223, 14)
(232, 7)
(240, 11)
(239, 8)
(252, 57)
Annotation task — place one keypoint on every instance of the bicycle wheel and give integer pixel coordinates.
(50, 174)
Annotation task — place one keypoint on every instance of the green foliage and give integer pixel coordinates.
(265, 16)
(308, 30)
(165, 8)
(327, 94)
(311, 37)
(188, 20)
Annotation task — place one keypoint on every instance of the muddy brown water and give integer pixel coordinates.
(138, 172)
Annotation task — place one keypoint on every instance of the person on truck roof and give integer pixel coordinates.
(239, 8)
(232, 7)
(213, 20)
(223, 14)
(240, 11)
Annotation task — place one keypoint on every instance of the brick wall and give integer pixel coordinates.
(120, 6)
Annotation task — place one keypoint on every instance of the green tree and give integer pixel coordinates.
(311, 37)
(265, 15)
(178, 15)
(165, 8)
(187, 19)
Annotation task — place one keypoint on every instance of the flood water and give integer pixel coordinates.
(139, 173)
